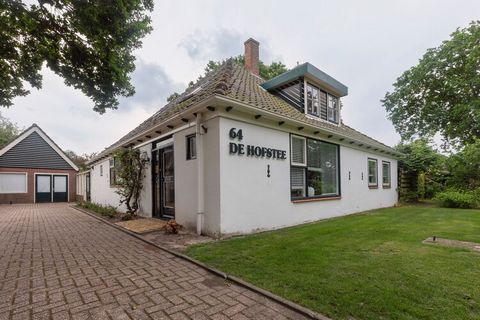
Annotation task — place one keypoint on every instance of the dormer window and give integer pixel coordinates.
(313, 100)
(320, 104)
(332, 109)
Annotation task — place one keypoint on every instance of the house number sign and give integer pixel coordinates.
(249, 150)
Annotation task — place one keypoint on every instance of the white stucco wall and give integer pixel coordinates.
(250, 201)
(101, 192)
(185, 181)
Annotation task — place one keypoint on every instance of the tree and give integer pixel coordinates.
(88, 43)
(423, 169)
(267, 71)
(464, 167)
(442, 93)
(8, 131)
(129, 175)
(79, 160)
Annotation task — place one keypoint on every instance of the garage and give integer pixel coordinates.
(33, 169)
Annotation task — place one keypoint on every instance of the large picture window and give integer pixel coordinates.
(315, 172)
(13, 182)
(372, 173)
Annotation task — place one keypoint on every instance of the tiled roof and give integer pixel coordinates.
(233, 81)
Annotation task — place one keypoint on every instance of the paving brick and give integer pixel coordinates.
(58, 263)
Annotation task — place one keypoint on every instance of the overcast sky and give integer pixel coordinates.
(364, 44)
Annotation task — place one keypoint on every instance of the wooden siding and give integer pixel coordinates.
(33, 152)
(292, 93)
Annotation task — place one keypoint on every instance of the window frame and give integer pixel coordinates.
(370, 184)
(335, 110)
(191, 154)
(298, 164)
(312, 113)
(389, 184)
(112, 172)
(17, 173)
(304, 167)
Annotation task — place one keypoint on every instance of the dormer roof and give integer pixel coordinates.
(308, 71)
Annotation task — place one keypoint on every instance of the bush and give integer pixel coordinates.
(409, 196)
(458, 199)
(107, 211)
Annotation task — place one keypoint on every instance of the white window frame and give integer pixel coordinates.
(389, 184)
(370, 184)
(26, 182)
(335, 110)
(298, 164)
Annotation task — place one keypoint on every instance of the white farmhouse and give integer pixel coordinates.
(238, 154)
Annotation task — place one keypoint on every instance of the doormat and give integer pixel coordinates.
(142, 225)
(452, 243)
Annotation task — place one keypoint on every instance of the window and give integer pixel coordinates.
(314, 168)
(372, 173)
(113, 172)
(298, 151)
(386, 175)
(13, 182)
(191, 147)
(101, 170)
(332, 109)
(320, 104)
(313, 103)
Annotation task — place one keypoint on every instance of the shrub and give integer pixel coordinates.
(107, 211)
(457, 199)
(409, 196)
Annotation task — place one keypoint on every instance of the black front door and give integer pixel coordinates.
(43, 188)
(60, 189)
(163, 180)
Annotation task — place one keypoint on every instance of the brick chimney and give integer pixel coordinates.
(252, 55)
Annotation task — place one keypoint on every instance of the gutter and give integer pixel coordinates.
(200, 173)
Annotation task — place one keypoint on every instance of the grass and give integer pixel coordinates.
(106, 211)
(365, 266)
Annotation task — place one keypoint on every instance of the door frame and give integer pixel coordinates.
(158, 190)
(51, 184)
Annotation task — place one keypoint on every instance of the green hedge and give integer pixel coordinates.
(459, 199)
(107, 211)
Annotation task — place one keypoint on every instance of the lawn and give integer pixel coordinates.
(365, 266)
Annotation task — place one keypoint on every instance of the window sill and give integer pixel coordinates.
(316, 199)
(373, 187)
(386, 187)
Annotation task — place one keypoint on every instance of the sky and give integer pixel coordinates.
(365, 45)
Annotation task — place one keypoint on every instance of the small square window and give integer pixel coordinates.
(191, 147)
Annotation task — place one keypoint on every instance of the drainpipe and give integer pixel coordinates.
(200, 174)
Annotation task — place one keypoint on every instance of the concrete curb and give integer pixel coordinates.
(286, 303)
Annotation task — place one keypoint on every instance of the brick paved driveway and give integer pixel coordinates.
(58, 263)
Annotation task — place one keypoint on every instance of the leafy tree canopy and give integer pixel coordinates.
(442, 93)
(465, 167)
(267, 71)
(417, 156)
(79, 160)
(88, 43)
(8, 131)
